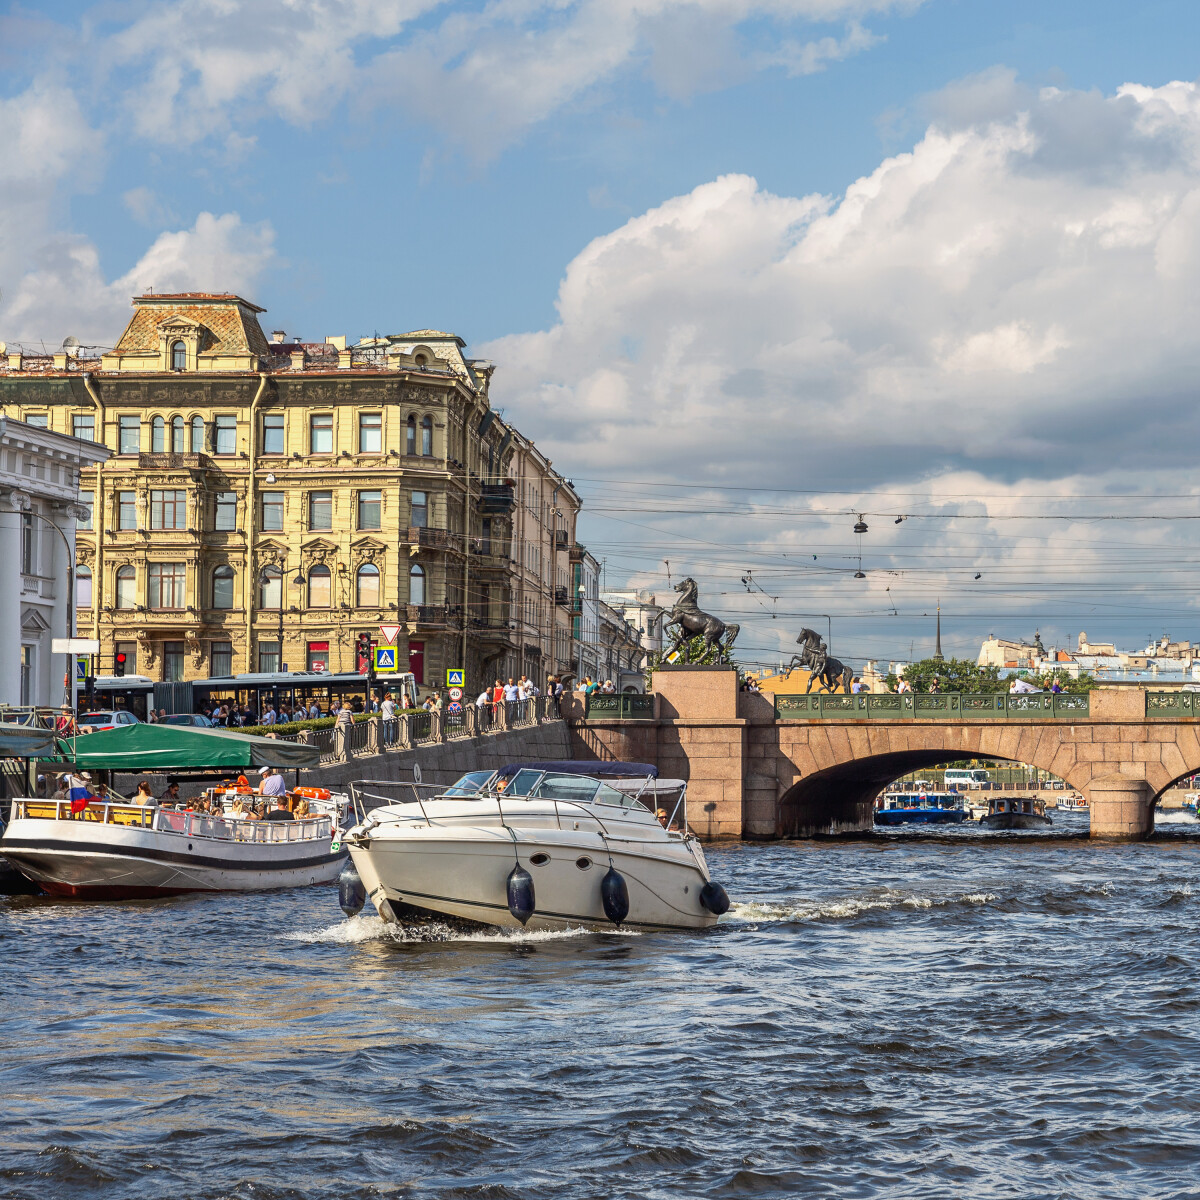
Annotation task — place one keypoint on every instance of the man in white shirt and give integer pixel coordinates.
(272, 782)
(268, 717)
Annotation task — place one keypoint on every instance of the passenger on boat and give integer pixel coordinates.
(300, 811)
(280, 811)
(170, 796)
(662, 817)
(272, 782)
(144, 795)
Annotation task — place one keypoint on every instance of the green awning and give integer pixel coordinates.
(25, 741)
(180, 748)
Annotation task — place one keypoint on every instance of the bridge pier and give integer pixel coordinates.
(1122, 808)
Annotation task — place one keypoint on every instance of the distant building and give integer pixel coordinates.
(585, 611)
(40, 508)
(645, 614)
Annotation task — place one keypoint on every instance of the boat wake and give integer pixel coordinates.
(843, 907)
(364, 928)
(1175, 817)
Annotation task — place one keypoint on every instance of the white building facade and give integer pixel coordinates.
(642, 611)
(40, 503)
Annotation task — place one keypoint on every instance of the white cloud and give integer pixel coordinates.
(1013, 294)
(66, 291)
(196, 69)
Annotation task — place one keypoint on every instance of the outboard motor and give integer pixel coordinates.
(614, 895)
(714, 897)
(520, 894)
(351, 893)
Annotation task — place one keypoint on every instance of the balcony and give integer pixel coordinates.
(562, 597)
(562, 540)
(432, 539)
(175, 462)
(496, 499)
(439, 615)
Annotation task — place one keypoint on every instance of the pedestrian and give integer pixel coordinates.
(856, 686)
(268, 717)
(387, 709)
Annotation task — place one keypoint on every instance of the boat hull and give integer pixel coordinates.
(1008, 820)
(939, 816)
(426, 874)
(90, 861)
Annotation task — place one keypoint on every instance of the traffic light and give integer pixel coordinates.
(119, 664)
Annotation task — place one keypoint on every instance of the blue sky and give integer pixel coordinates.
(849, 228)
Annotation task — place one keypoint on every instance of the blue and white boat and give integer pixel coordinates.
(920, 808)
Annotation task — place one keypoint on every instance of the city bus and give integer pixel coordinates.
(139, 694)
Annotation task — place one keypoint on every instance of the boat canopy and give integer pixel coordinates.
(597, 770)
(25, 741)
(180, 748)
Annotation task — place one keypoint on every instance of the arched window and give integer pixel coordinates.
(83, 587)
(366, 586)
(197, 435)
(222, 587)
(319, 589)
(270, 588)
(426, 436)
(416, 584)
(177, 446)
(158, 435)
(126, 583)
(410, 442)
(178, 357)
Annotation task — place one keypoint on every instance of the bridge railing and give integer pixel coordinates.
(940, 705)
(619, 706)
(1172, 704)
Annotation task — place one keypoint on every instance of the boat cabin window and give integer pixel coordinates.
(579, 788)
(471, 784)
(522, 783)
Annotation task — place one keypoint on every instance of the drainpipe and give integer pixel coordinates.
(248, 575)
(97, 517)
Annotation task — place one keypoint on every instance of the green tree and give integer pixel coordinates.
(952, 675)
(699, 656)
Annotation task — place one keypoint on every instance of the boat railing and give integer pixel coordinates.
(105, 813)
(202, 825)
(168, 820)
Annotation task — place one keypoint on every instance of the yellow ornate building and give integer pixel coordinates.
(268, 501)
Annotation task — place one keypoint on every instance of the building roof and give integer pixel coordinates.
(229, 322)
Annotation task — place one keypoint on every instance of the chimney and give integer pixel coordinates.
(278, 336)
(338, 343)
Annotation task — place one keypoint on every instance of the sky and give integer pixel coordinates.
(747, 268)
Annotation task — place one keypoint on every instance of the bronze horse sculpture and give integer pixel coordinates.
(692, 621)
(828, 672)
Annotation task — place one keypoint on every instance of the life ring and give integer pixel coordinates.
(311, 793)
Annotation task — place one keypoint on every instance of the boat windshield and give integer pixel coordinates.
(579, 789)
(471, 784)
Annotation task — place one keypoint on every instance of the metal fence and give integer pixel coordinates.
(940, 705)
(1172, 704)
(619, 706)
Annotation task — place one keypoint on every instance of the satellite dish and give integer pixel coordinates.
(70, 344)
(416, 772)
(3, 348)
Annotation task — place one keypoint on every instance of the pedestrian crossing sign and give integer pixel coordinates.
(454, 677)
(385, 658)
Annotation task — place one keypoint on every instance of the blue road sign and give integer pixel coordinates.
(385, 658)
(454, 677)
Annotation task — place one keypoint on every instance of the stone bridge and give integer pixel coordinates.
(761, 766)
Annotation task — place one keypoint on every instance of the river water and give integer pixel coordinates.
(912, 1015)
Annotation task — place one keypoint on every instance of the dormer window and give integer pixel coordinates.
(178, 357)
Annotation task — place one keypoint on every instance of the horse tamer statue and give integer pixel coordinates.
(692, 621)
(828, 672)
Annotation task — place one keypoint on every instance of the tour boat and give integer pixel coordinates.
(541, 845)
(1015, 812)
(1073, 803)
(121, 851)
(920, 808)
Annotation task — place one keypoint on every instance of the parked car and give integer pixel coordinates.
(94, 722)
(188, 719)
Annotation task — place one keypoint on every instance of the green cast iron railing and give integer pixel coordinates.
(940, 705)
(619, 706)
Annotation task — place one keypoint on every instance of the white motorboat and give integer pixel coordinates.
(120, 850)
(541, 845)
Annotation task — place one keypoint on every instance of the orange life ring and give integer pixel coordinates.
(312, 793)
